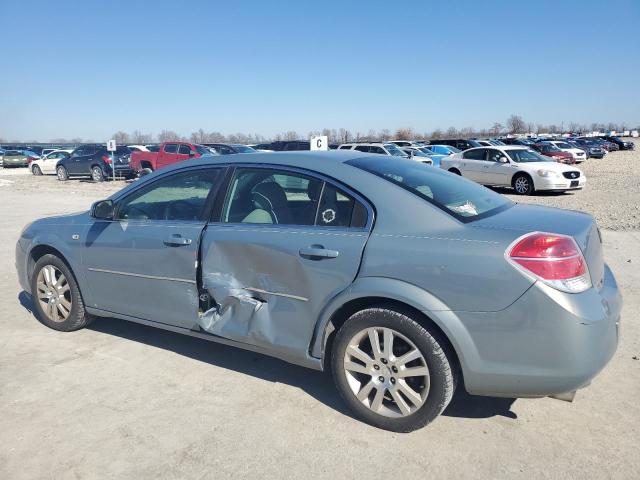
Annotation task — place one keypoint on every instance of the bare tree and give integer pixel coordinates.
(121, 138)
(436, 134)
(385, 134)
(515, 124)
(452, 132)
(140, 138)
(167, 136)
(404, 134)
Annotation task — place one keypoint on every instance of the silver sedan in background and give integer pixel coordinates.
(405, 280)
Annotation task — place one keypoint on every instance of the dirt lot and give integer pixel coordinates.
(122, 400)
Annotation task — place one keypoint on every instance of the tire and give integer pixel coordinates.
(433, 390)
(97, 175)
(523, 184)
(36, 170)
(51, 299)
(62, 173)
(456, 171)
(145, 171)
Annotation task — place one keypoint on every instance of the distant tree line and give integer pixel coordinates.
(515, 124)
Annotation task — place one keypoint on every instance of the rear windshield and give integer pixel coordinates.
(463, 199)
(202, 150)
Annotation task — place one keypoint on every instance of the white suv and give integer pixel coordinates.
(374, 147)
(510, 166)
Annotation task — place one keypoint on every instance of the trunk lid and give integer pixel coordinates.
(522, 219)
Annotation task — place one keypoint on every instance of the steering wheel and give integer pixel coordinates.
(180, 210)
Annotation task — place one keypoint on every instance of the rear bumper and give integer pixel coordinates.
(547, 342)
(121, 171)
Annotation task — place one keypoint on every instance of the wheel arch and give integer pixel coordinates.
(399, 295)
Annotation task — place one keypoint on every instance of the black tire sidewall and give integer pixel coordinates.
(77, 318)
(440, 366)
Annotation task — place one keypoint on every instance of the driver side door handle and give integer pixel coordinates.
(317, 252)
(177, 241)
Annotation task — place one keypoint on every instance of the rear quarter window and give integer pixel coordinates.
(461, 198)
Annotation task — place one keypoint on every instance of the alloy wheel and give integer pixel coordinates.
(386, 372)
(54, 293)
(521, 185)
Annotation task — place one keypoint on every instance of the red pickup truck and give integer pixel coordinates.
(169, 152)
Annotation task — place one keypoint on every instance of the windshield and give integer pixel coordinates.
(202, 150)
(416, 152)
(527, 156)
(563, 145)
(463, 199)
(452, 149)
(29, 153)
(427, 151)
(394, 150)
(244, 149)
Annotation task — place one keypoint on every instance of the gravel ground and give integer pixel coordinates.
(612, 194)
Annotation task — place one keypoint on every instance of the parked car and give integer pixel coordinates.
(138, 148)
(381, 148)
(169, 153)
(443, 149)
(435, 157)
(595, 150)
(18, 158)
(551, 151)
(622, 145)
(408, 143)
(460, 143)
(288, 145)
(47, 164)
(96, 162)
(445, 288)
(490, 142)
(578, 154)
(521, 168)
(229, 148)
(517, 141)
(418, 155)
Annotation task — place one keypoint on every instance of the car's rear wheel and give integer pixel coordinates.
(96, 174)
(36, 170)
(391, 370)
(523, 185)
(62, 174)
(456, 171)
(56, 296)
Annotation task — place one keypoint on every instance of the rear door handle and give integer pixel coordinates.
(177, 241)
(318, 252)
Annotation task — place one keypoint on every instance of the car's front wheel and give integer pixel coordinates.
(523, 185)
(392, 371)
(56, 295)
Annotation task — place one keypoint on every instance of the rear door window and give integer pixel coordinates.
(171, 148)
(476, 154)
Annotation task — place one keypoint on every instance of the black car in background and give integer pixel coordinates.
(288, 145)
(96, 162)
(593, 149)
(622, 145)
(229, 148)
(459, 143)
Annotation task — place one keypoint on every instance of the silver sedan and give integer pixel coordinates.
(405, 280)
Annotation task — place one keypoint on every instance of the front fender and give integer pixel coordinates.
(69, 248)
(408, 294)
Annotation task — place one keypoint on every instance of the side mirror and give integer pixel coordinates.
(503, 160)
(192, 153)
(103, 210)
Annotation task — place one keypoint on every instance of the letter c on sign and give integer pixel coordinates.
(319, 143)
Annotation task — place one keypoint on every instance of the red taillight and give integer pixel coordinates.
(31, 159)
(553, 258)
(106, 159)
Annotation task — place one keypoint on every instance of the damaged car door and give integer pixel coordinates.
(285, 243)
(143, 262)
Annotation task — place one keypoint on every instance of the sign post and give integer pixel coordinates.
(111, 147)
(319, 142)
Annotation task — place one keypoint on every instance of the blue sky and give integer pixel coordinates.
(88, 68)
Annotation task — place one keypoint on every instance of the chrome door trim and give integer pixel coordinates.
(140, 275)
(287, 295)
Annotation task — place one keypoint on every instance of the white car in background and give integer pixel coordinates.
(578, 154)
(521, 168)
(46, 165)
